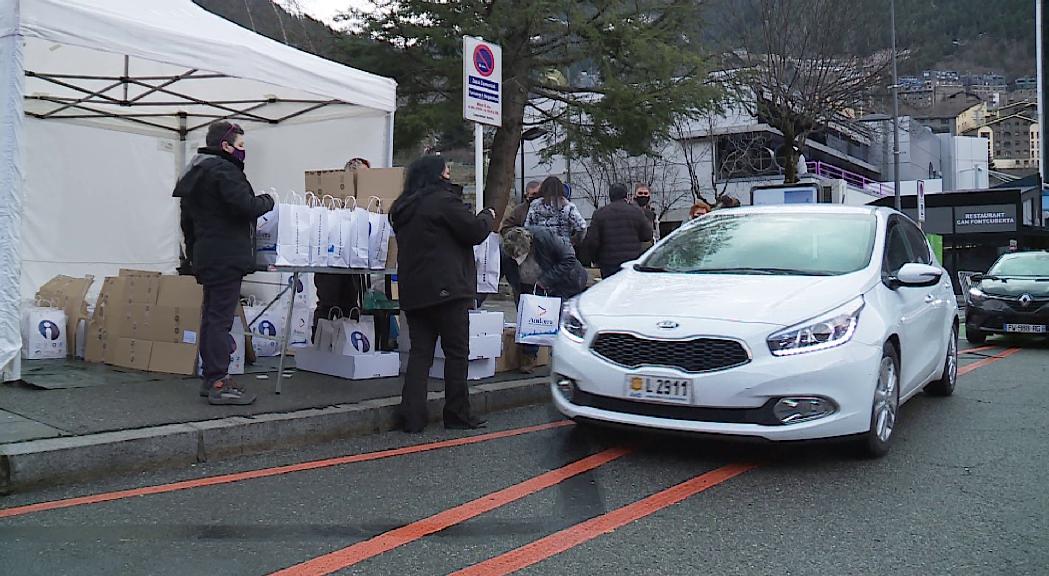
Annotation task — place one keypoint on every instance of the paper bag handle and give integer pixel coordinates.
(346, 202)
(378, 203)
(331, 313)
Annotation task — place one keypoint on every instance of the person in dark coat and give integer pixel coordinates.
(436, 233)
(643, 199)
(561, 274)
(219, 214)
(617, 232)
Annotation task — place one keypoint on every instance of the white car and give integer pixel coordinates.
(780, 322)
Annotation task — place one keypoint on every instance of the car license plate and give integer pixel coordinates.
(659, 389)
(1025, 328)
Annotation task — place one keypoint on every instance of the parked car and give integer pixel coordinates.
(784, 322)
(1012, 298)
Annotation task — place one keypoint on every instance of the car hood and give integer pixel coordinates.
(779, 300)
(1016, 287)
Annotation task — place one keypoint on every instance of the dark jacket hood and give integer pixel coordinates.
(198, 165)
(407, 206)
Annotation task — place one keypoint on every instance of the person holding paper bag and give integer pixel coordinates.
(436, 233)
(219, 214)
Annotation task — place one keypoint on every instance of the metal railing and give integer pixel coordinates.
(832, 172)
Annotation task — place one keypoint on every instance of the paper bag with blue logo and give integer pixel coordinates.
(43, 332)
(355, 337)
(538, 319)
(266, 324)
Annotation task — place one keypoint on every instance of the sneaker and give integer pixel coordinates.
(229, 394)
(205, 388)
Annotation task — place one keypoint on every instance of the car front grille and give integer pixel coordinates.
(696, 355)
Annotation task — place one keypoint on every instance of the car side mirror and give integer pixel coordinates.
(918, 275)
(977, 278)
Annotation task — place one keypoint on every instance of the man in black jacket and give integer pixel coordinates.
(219, 213)
(617, 232)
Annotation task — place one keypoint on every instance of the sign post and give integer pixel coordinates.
(921, 203)
(482, 99)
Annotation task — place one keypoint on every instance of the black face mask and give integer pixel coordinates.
(642, 201)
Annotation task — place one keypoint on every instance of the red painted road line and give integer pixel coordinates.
(346, 557)
(267, 472)
(606, 523)
(963, 370)
(974, 350)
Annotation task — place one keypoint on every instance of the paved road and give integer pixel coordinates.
(963, 492)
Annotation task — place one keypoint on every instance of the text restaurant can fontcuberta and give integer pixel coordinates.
(978, 226)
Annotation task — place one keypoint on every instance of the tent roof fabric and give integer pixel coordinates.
(148, 60)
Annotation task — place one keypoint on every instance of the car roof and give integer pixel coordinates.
(806, 209)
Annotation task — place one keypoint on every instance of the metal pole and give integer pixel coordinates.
(895, 113)
(287, 330)
(478, 166)
(522, 170)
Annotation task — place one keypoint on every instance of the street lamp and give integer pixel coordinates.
(527, 136)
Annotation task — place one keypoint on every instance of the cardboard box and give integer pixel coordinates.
(477, 370)
(485, 323)
(385, 184)
(141, 289)
(135, 321)
(172, 358)
(480, 347)
(374, 365)
(132, 353)
(180, 291)
(335, 183)
(70, 295)
(174, 325)
(511, 358)
(125, 272)
(391, 255)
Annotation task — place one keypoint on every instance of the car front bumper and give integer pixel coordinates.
(737, 401)
(991, 316)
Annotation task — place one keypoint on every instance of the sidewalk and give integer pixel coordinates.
(73, 421)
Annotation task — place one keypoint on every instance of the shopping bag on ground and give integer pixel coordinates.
(43, 332)
(357, 243)
(327, 330)
(538, 319)
(293, 232)
(266, 234)
(355, 337)
(265, 325)
(486, 257)
(379, 231)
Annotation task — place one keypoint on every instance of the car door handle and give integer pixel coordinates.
(930, 298)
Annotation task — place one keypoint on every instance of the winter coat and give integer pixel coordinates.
(562, 275)
(219, 214)
(616, 234)
(564, 220)
(516, 218)
(653, 220)
(436, 233)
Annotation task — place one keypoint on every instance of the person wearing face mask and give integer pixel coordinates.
(643, 199)
(436, 232)
(219, 210)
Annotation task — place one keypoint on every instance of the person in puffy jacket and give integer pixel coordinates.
(436, 233)
(219, 214)
(552, 210)
(617, 233)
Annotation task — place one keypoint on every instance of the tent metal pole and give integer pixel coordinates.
(198, 100)
(389, 139)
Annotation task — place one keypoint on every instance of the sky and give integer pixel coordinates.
(326, 10)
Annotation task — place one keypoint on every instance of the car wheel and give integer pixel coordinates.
(945, 385)
(885, 406)
(974, 336)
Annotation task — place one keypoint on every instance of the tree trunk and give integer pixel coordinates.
(790, 168)
(505, 146)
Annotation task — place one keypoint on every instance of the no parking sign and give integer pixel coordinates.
(482, 82)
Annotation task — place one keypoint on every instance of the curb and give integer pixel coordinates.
(65, 460)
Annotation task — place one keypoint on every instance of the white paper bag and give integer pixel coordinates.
(379, 231)
(538, 319)
(43, 332)
(268, 323)
(266, 234)
(355, 337)
(336, 222)
(486, 258)
(356, 243)
(319, 225)
(293, 232)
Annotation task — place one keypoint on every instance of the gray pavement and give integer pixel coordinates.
(961, 493)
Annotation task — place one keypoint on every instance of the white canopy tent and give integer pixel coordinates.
(102, 102)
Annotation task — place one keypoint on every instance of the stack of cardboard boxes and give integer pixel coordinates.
(486, 346)
(145, 321)
(511, 358)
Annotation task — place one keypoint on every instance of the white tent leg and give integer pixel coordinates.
(12, 79)
(389, 139)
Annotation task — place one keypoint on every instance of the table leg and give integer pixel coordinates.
(287, 330)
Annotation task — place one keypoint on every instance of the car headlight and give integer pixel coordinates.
(826, 331)
(572, 323)
(976, 295)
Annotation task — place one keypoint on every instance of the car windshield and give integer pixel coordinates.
(786, 244)
(1022, 265)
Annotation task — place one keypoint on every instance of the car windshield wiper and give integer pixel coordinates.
(641, 268)
(762, 271)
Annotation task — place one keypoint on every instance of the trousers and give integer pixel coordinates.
(450, 321)
(216, 321)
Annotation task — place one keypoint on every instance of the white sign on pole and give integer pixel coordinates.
(921, 201)
(482, 81)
